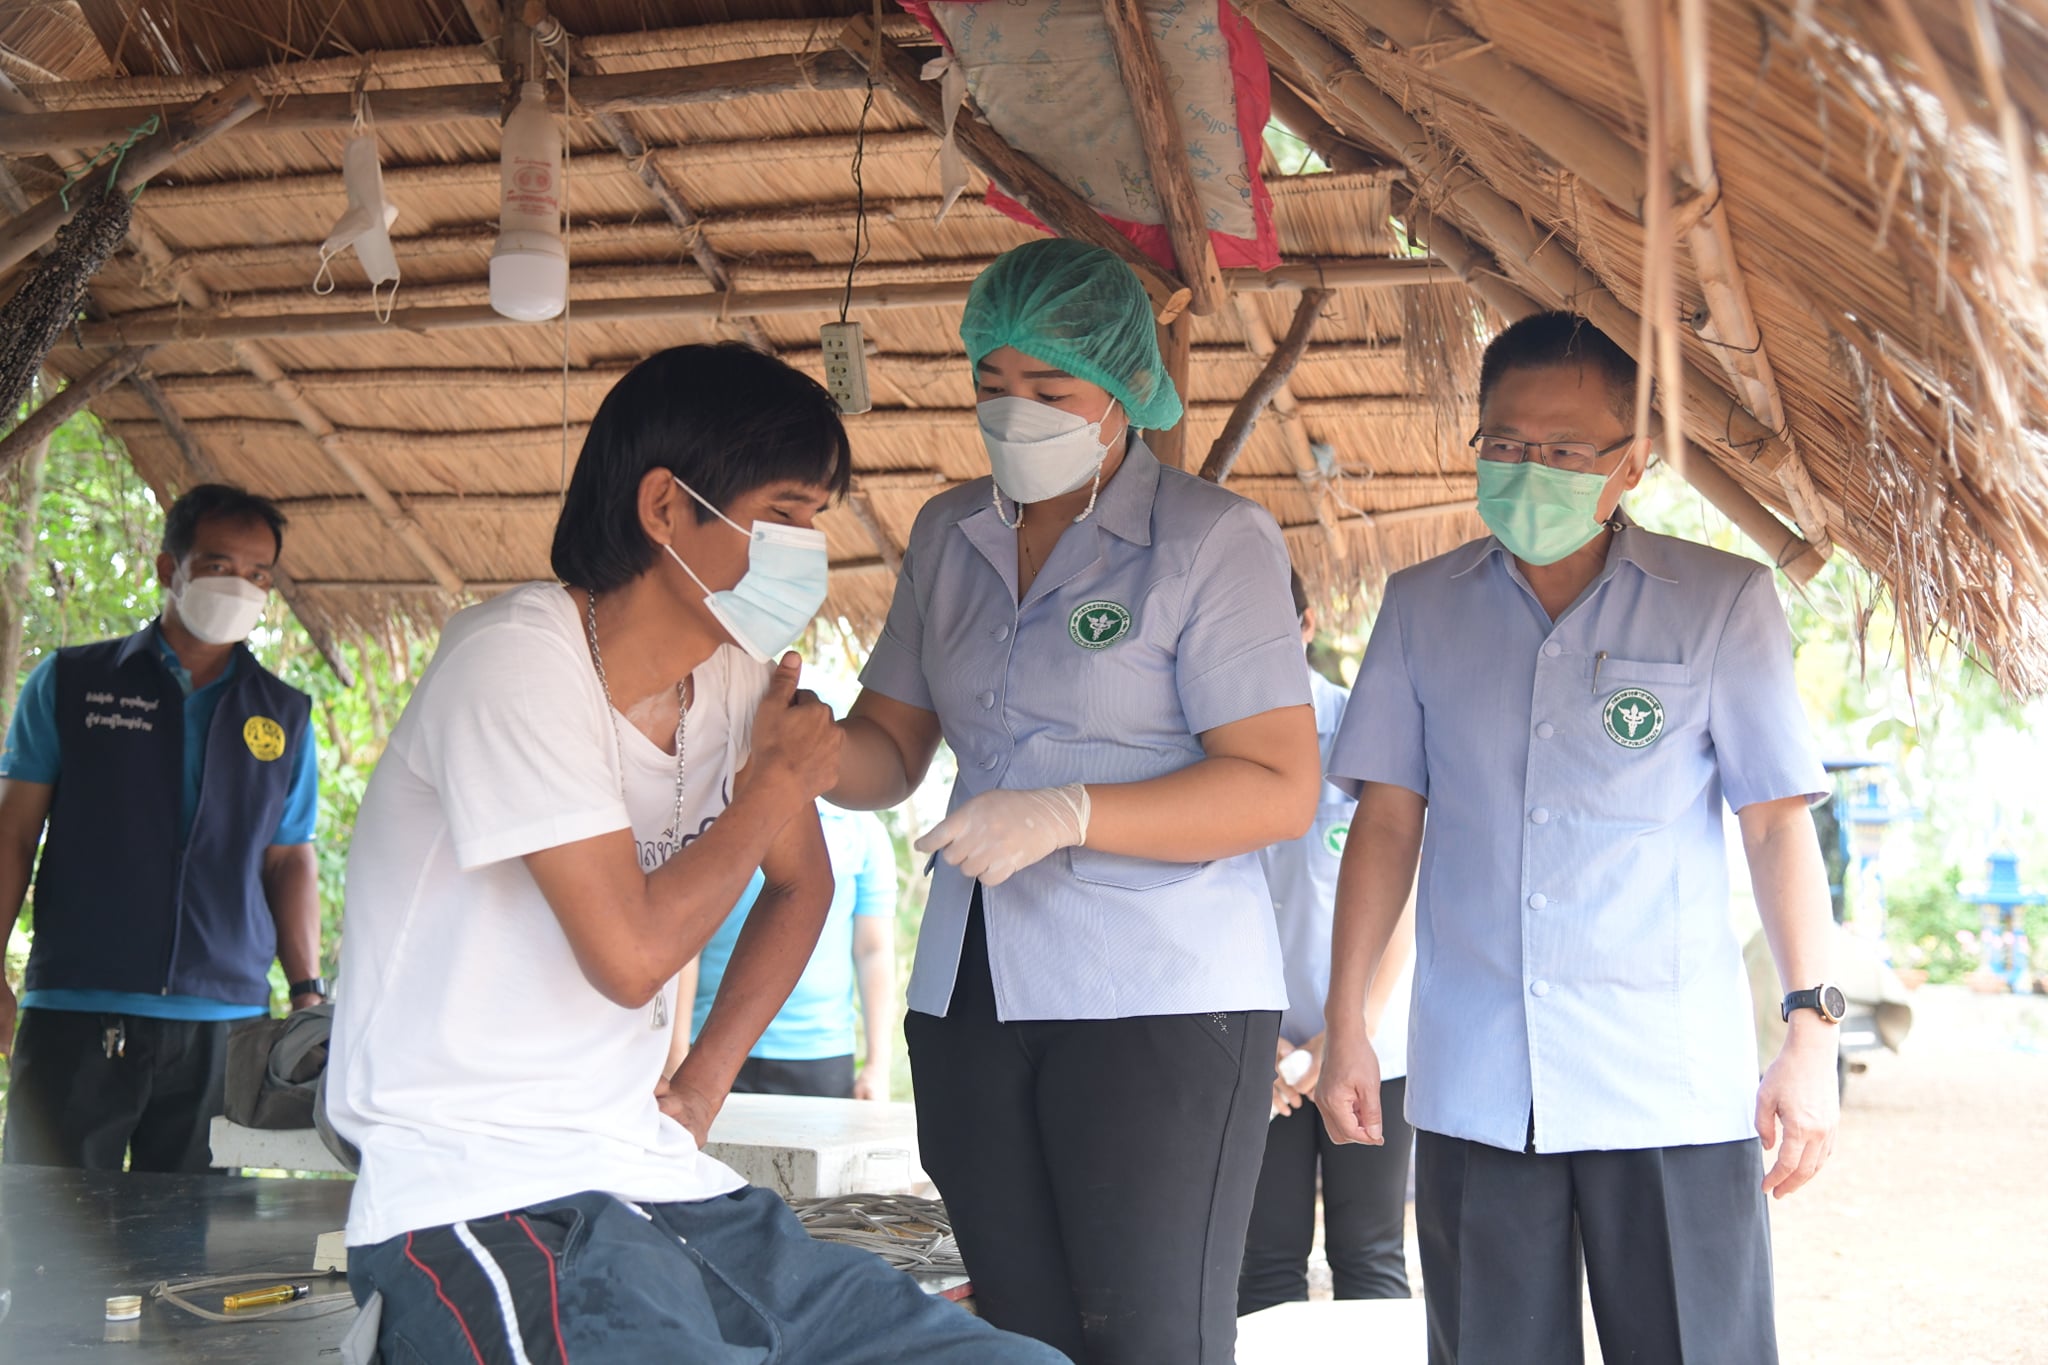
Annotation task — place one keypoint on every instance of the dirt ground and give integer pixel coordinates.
(1925, 1240)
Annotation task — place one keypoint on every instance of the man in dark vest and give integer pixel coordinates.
(178, 782)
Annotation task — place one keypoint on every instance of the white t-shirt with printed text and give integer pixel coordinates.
(473, 1064)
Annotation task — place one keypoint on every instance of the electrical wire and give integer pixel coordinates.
(861, 241)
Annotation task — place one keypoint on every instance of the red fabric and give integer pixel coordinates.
(1252, 82)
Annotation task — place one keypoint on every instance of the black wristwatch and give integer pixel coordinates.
(1826, 1001)
(316, 985)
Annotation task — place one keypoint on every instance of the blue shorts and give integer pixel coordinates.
(733, 1280)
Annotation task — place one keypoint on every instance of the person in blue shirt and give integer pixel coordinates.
(172, 785)
(1548, 723)
(807, 1049)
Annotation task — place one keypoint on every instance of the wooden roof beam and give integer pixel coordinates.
(619, 92)
(1337, 151)
(1166, 153)
(1713, 413)
(1699, 467)
(1357, 273)
(62, 406)
(1022, 178)
(1271, 379)
(177, 133)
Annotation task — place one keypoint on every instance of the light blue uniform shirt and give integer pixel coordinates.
(1574, 951)
(33, 754)
(1163, 615)
(817, 1020)
(1302, 875)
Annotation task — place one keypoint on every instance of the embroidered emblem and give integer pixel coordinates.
(1634, 718)
(265, 738)
(1098, 625)
(1334, 839)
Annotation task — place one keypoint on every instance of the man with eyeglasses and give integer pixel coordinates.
(172, 783)
(1547, 722)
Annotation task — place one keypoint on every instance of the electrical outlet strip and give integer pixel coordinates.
(846, 365)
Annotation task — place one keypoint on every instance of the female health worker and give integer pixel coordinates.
(1110, 650)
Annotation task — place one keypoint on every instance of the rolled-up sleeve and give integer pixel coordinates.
(1762, 742)
(1381, 737)
(895, 666)
(1240, 643)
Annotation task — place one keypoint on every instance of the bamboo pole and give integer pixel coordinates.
(1712, 411)
(61, 407)
(1176, 352)
(1338, 152)
(1238, 429)
(1366, 273)
(1166, 153)
(188, 128)
(1023, 179)
(414, 106)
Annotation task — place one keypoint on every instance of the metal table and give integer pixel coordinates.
(71, 1239)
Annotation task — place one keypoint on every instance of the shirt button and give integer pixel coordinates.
(1539, 989)
(1537, 902)
(1539, 816)
(1551, 649)
(1001, 632)
(1545, 730)
(987, 700)
(989, 762)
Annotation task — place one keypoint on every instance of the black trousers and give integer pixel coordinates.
(1365, 1210)
(1099, 1172)
(70, 1104)
(831, 1077)
(1674, 1242)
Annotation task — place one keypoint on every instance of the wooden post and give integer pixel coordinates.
(182, 131)
(1166, 151)
(1245, 416)
(1259, 340)
(1023, 179)
(1176, 352)
(618, 92)
(60, 408)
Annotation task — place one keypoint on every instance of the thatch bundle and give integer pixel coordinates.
(1845, 201)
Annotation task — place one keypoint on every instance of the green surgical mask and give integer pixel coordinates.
(1540, 514)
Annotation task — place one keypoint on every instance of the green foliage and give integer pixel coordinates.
(1930, 927)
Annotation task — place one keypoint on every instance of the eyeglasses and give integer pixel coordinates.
(1578, 457)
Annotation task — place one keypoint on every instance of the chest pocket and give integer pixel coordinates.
(1639, 741)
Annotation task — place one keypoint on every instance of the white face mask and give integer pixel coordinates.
(1036, 451)
(219, 611)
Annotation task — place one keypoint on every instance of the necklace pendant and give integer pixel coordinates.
(660, 1013)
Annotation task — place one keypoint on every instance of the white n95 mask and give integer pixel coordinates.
(219, 610)
(782, 589)
(364, 225)
(1036, 451)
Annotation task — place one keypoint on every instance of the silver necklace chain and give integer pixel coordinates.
(682, 719)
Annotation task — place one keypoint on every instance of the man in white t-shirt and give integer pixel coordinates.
(584, 781)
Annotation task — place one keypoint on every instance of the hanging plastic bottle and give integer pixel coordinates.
(529, 264)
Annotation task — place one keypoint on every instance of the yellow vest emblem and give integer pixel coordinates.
(265, 738)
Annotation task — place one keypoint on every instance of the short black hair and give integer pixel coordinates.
(1560, 340)
(1300, 592)
(217, 502)
(725, 418)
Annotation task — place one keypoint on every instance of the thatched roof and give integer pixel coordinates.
(1856, 249)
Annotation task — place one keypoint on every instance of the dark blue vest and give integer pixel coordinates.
(121, 904)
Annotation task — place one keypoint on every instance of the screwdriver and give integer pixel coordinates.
(264, 1298)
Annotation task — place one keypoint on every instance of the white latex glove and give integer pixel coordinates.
(992, 835)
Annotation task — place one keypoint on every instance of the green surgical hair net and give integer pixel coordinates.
(1078, 307)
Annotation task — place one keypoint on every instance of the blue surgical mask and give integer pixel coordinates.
(780, 592)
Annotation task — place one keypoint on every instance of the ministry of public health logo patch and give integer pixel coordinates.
(1634, 718)
(1334, 839)
(1098, 625)
(265, 738)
